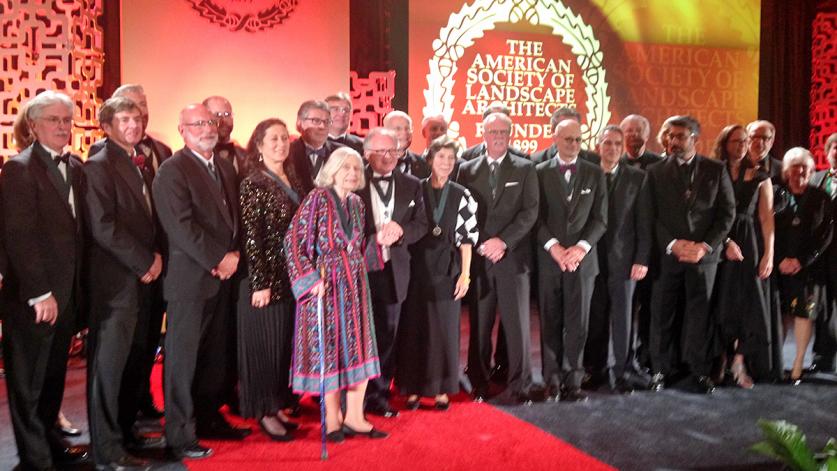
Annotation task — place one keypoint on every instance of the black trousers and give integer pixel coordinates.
(386, 314)
(694, 282)
(147, 341)
(195, 365)
(508, 293)
(35, 358)
(565, 314)
(610, 337)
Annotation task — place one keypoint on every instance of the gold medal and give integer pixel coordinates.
(437, 231)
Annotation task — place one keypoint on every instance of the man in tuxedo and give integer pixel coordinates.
(40, 190)
(340, 107)
(694, 207)
(637, 130)
(395, 218)
(473, 152)
(825, 338)
(506, 190)
(431, 128)
(760, 137)
(222, 111)
(126, 260)
(196, 198)
(308, 153)
(565, 112)
(623, 254)
(573, 217)
(409, 163)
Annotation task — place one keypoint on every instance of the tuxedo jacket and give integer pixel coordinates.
(298, 156)
(510, 214)
(629, 237)
(201, 223)
(408, 212)
(473, 152)
(773, 167)
(819, 180)
(349, 140)
(705, 214)
(159, 149)
(121, 225)
(642, 162)
(583, 216)
(551, 152)
(419, 167)
(43, 241)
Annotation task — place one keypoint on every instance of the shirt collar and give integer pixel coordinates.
(51, 152)
(498, 160)
(203, 159)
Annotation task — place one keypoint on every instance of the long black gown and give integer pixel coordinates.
(743, 298)
(428, 355)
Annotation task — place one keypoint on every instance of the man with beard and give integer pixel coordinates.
(694, 207)
(559, 115)
(196, 197)
(340, 106)
(310, 152)
(226, 148)
(409, 163)
(760, 136)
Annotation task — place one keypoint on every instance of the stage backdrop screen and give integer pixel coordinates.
(606, 58)
(266, 57)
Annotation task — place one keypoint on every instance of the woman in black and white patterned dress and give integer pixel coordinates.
(428, 357)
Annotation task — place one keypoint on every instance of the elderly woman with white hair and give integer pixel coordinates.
(324, 248)
(803, 231)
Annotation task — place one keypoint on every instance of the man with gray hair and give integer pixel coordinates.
(409, 163)
(340, 106)
(637, 131)
(565, 112)
(310, 152)
(760, 137)
(475, 151)
(40, 192)
(226, 148)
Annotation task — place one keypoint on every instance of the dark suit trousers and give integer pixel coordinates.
(609, 337)
(697, 282)
(386, 312)
(509, 294)
(642, 318)
(195, 370)
(565, 314)
(146, 342)
(35, 357)
(114, 374)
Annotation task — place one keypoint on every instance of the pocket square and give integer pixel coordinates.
(586, 191)
(412, 203)
(508, 184)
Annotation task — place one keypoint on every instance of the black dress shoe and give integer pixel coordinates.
(705, 385)
(573, 395)
(480, 394)
(383, 410)
(286, 437)
(413, 404)
(125, 463)
(139, 443)
(336, 436)
(71, 454)
(148, 411)
(221, 430)
(192, 451)
(658, 382)
(289, 426)
(68, 431)
(372, 433)
(622, 387)
(552, 393)
(441, 406)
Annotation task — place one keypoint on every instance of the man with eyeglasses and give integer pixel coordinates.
(565, 112)
(196, 197)
(40, 191)
(573, 217)
(227, 148)
(477, 150)
(340, 106)
(409, 163)
(760, 137)
(694, 207)
(506, 189)
(395, 219)
(310, 152)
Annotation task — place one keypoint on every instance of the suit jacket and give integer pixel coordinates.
(235, 154)
(509, 215)
(642, 162)
(707, 214)
(819, 180)
(583, 217)
(551, 152)
(408, 212)
(629, 237)
(473, 152)
(298, 157)
(148, 146)
(121, 225)
(419, 167)
(200, 227)
(349, 140)
(773, 167)
(43, 240)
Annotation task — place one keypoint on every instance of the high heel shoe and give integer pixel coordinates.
(413, 404)
(336, 436)
(289, 426)
(286, 437)
(372, 433)
(742, 379)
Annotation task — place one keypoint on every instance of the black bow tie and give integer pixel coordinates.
(564, 167)
(321, 152)
(382, 179)
(65, 157)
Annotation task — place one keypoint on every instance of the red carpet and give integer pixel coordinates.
(468, 436)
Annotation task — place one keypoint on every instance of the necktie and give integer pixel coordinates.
(212, 171)
(610, 177)
(492, 178)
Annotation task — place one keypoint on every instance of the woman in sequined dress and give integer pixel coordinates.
(269, 196)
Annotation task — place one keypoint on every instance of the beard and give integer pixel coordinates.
(206, 144)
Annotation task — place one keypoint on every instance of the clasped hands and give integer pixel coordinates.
(227, 266)
(687, 251)
(568, 259)
(493, 249)
(389, 233)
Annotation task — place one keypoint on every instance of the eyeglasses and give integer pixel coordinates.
(318, 121)
(223, 114)
(56, 120)
(737, 141)
(571, 140)
(341, 109)
(202, 123)
(763, 137)
(680, 136)
(498, 132)
(383, 152)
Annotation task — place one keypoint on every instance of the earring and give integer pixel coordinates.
(260, 157)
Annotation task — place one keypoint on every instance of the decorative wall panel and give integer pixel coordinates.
(371, 99)
(823, 83)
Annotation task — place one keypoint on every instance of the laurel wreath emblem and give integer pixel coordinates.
(252, 23)
(473, 20)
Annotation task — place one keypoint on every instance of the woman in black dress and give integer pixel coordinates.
(270, 195)
(803, 231)
(428, 358)
(744, 291)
